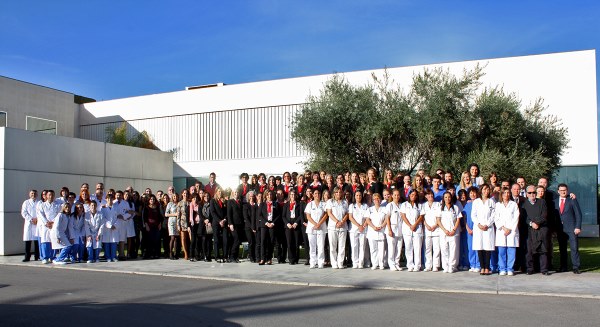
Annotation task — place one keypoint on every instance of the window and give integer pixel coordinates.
(2, 119)
(41, 125)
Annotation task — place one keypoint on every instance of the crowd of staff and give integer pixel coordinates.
(345, 220)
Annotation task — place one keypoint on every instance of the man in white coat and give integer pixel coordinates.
(30, 228)
(123, 213)
(47, 211)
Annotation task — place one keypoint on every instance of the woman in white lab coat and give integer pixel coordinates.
(78, 222)
(110, 233)
(337, 228)
(316, 215)
(62, 234)
(393, 230)
(375, 232)
(30, 228)
(358, 211)
(482, 215)
(449, 223)
(94, 221)
(412, 230)
(506, 219)
(431, 210)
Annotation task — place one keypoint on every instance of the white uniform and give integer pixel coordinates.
(122, 207)
(93, 227)
(413, 241)
(450, 244)
(507, 216)
(376, 238)
(394, 243)
(358, 211)
(110, 235)
(28, 212)
(432, 238)
(46, 213)
(316, 236)
(483, 214)
(337, 236)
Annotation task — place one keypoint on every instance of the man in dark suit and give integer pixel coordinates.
(570, 221)
(520, 261)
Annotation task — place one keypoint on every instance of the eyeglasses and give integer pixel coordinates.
(531, 193)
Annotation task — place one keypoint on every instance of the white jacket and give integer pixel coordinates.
(93, 227)
(62, 231)
(507, 216)
(46, 212)
(28, 212)
(483, 214)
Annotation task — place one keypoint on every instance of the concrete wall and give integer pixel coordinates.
(39, 161)
(20, 99)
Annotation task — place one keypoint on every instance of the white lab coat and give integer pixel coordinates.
(412, 213)
(395, 219)
(316, 212)
(28, 212)
(339, 210)
(377, 217)
(110, 235)
(483, 213)
(431, 213)
(359, 212)
(507, 216)
(46, 213)
(78, 225)
(93, 227)
(121, 208)
(62, 231)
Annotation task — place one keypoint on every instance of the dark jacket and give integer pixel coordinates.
(287, 214)
(234, 212)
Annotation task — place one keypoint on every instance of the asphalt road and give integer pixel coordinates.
(32, 296)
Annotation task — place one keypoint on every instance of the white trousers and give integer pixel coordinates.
(337, 247)
(357, 244)
(412, 250)
(317, 249)
(376, 252)
(449, 246)
(432, 252)
(394, 250)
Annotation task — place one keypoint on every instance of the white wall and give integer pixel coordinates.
(20, 99)
(567, 82)
(39, 161)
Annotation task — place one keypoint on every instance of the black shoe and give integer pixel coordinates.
(576, 271)
(545, 273)
(529, 272)
(307, 263)
(26, 260)
(563, 269)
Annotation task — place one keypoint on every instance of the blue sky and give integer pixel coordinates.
(114, 49)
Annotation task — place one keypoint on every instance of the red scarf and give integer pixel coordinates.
(300, 187)
(292, 204)
(269, 206)
(262, 188)
(244, 189)
(220, 203)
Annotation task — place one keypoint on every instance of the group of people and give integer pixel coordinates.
(345, 220)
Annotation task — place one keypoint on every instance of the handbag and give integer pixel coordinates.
(209, 230)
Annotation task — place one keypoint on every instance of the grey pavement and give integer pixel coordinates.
(586, 285)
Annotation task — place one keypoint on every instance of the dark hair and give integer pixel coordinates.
(562, 185)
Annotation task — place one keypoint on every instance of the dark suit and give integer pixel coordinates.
(218, 212)
(293, 235)
(375, 187)
(569, 219)
(520, 259)
(243, 190)
(537, 242)
(235, 219)
(247, 213)
(268, 235)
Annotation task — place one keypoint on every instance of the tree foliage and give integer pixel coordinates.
(120, 135)
(441, 120)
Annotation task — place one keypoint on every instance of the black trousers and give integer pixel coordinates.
(258, 248)
(293, 237)
(281, 243)
(36, 249)
(207, 246)
(305, 243)
(267, 240)
(165, 240)
(484, 258)
(195, 246)
(236, 237)
(573, 240)
(251, 243)
(221, 241)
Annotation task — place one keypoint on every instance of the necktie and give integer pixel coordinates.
(562, 205)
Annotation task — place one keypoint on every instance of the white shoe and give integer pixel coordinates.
(354, 267)
(313, 267)
(393, 268)
(115, 260)
(427, 269)
(475, 270)
(374, 267)
(503, 273)
(416, 269)
(381, 267)
(321, 267)
(361, 266)
(97, 260)
(409, 269)
(510, 273)
(90, 261)
(56, 262)
(436, 269)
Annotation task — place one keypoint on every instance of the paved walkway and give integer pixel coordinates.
(586, 285)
